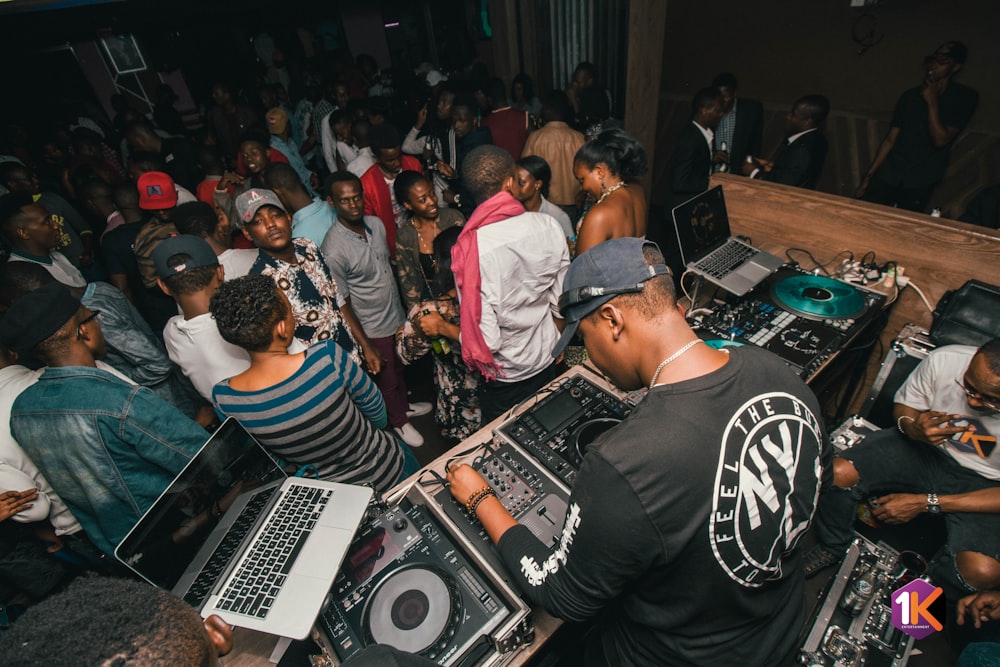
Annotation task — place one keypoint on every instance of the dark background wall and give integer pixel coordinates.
(781, 49)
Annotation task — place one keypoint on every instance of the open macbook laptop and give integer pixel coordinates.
(708, 249)
(233, 535)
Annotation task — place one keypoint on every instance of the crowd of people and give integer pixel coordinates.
(281, 260)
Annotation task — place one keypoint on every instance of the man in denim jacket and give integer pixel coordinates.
(106, 446)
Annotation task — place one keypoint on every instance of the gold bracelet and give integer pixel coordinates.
(477, 497)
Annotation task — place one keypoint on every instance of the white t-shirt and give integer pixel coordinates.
(17, 472)
(237, 262)
(362, 163)
(398, 212)
(198, 348)
(108, 368)
(60, 267)
(560, 216)
(204, 357)
(934, 385)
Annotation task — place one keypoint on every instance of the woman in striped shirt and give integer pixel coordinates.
(317, 407)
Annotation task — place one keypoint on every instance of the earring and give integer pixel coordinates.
(603, 187)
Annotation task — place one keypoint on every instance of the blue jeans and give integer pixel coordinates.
(410, 462)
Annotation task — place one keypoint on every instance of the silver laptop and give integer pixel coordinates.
(233, 535)
(709, 250)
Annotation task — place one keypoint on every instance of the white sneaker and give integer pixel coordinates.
(418, 409)
(409, 435)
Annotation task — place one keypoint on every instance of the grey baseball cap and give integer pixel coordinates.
(600, 274)
(248, 203)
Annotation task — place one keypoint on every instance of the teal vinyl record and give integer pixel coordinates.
(818, 297)
(719, 343)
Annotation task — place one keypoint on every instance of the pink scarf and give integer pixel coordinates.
(465, 265)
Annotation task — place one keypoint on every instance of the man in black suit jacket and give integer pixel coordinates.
(801, 157)
(692, 157)
(740, 128)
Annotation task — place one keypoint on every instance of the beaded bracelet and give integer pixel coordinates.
(477, 497)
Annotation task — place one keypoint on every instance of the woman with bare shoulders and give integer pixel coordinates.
(608, 168)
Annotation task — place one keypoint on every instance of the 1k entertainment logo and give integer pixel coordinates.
(911, 609)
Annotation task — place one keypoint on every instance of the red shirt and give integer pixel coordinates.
(510, 129)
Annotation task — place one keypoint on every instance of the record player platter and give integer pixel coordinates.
(413, 608)
(819, 298)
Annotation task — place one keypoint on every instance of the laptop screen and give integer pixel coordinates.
(701, 223)
(165, 541)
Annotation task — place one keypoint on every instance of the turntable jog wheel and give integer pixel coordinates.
(588, 431)
(412, 609)
(819, 298)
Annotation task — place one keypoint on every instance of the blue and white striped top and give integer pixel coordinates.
(329, 413)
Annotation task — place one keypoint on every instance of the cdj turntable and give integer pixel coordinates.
(411, 581)
(848, 630)
(548, 430)
(803, 318)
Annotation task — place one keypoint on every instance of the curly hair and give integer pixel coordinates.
(246, 311)
(616, 148)
(484, 171)
(107, 621)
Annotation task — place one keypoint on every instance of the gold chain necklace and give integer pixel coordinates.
(672, 357)
(617, 186)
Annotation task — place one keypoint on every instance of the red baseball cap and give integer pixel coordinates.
(156, 191)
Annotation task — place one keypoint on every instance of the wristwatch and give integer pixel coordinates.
(933, 506)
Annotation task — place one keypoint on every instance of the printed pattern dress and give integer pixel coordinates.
(457, 411)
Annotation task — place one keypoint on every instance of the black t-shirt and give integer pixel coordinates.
(118, 256)
(119, 259)
(181, 159)
(914, 160)
(684, 521)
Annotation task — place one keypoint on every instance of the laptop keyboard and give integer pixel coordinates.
(254, 587)
(223, 553)
(721, 262)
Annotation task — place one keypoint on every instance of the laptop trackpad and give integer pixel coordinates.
(754, 272)
(326, 545)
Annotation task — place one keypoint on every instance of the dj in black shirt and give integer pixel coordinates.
(683, 524)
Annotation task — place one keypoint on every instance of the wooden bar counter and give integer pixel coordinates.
(937, 254)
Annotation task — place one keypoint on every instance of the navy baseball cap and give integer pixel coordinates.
(600, 274)
(200, 253)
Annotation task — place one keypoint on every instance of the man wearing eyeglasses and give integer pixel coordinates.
(943, 453)
(912, 158)
(108, 447)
